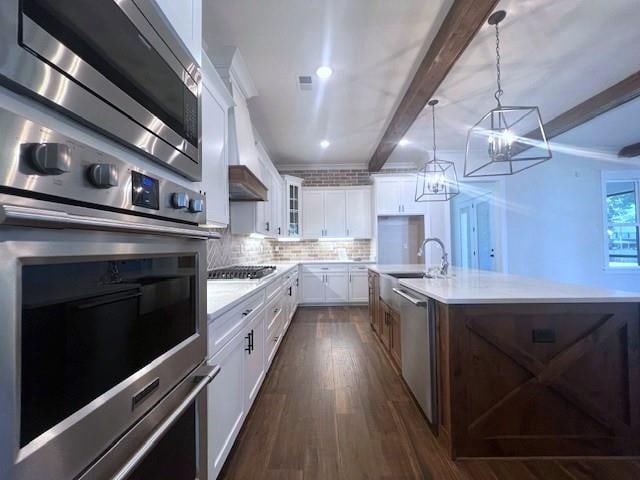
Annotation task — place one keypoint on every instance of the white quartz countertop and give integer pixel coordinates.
(223, 295)
(302, 262)
(477, 286)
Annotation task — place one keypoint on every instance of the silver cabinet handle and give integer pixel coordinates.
(27, 216)
(417, 302)
(164, 427)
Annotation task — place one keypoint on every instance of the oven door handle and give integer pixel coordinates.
(28, 216)
(166, 424)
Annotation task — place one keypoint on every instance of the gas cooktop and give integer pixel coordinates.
(241, 272)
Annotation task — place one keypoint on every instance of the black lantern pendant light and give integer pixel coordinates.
(437, 180)
(506, 140)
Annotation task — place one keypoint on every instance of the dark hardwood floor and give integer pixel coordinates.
(332, 407)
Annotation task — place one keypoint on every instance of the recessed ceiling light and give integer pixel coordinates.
(325, 144)
(403, 142)
(324, 72)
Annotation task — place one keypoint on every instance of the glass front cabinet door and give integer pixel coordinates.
(293, 206)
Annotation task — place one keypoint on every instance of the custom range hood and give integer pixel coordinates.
(244, 160)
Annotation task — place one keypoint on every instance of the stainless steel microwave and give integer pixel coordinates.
(114, 65)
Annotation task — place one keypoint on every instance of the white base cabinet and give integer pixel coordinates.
(333, 284)
(227, 407)
(358, 284)
(255, 330)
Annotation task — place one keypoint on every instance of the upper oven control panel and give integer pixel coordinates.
(53, 167)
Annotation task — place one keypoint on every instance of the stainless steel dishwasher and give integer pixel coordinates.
(418, 335)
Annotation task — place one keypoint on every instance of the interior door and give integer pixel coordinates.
(335, 213)
(313, 216)
(484, 235)
(476, 234)
(359, 213)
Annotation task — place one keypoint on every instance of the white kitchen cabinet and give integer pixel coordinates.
(214, 104)
(335, 213)
(254, 369)
(312, 213)
(265, 217)
(312, 288)
(226, 402)
(292, 206)
(276, 200)
(336, 287)
(185, 17)
(358, 287)
(275, 319)
(358, 208)
(395, 195)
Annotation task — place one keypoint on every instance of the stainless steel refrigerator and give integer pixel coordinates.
(399, 238)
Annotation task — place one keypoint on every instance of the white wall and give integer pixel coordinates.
(554, 223)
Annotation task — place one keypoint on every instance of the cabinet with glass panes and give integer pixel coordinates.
(293, 206)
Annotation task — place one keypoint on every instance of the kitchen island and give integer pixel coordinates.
(532, 368)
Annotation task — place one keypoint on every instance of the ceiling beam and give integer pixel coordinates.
(464, 19)
(630, 151)
(608, 99)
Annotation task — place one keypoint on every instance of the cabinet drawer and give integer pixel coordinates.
(273, 311)
(358, 268)
(274, 288)
(324, 268)
(223, 328)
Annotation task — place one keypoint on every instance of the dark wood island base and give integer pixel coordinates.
(539, 380)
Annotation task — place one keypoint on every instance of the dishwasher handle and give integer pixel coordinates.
(416, 301)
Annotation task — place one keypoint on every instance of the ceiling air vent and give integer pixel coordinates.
(305, 83)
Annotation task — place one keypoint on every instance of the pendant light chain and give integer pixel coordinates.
(499, 92)
(433, 116)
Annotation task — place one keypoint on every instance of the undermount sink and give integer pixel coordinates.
(408, 275)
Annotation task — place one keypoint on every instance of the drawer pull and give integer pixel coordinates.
(247, 312)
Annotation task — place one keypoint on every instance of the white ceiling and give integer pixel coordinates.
(555, 54)
(373, 46)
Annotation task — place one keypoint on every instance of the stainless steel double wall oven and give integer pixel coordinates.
(115, 65)
(103, 315)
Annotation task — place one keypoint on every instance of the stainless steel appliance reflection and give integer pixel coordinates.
(103, 307)
(114, 65)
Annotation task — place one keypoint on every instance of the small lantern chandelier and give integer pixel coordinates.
(436, 180)
(506, 140)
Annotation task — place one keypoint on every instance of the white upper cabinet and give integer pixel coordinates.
(265, 217)
(214, 104)
(336, 212)
(292, 220)
(395, 195)
(313, 213)
(185, 16)
(359, 213)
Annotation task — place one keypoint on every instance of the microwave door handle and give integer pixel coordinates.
(28, 216)
(107, 301)
(417, 302)
(164, 427)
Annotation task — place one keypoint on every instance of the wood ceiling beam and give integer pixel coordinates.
(608, 99)
(630, 151)
(464, 19)
(602, 102)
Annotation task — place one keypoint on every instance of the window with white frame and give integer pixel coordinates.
(622, 228)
